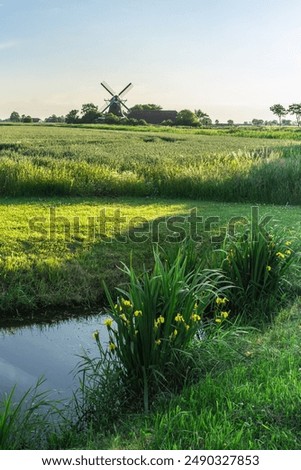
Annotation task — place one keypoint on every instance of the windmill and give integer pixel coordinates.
(115, 103)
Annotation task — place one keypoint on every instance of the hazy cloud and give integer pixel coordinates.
(7, 44)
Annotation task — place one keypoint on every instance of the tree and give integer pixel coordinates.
(206, 121)
(72, 116)
(230, 122)
(279, 111)
(186, 118)
(89, 113)
(216, 122)
(15, 117)
(26, 119)
(55, 118)
(295, 109)
(200, 114)
(149, 107)
(257, 122)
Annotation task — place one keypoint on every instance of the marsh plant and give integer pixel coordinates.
(153, 323)
(25, 423)
(257, 265)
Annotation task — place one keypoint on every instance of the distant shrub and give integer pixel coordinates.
(132, 122)
(167, 122)
(111, 118)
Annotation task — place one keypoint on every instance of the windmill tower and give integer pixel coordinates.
(115, 104)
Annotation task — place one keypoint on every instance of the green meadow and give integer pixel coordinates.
(78, 201)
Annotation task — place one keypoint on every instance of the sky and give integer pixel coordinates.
(232, 59)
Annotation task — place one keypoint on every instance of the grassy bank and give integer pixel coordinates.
(249, 398)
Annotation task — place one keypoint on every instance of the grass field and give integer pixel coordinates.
(62, 161)
(78, 201)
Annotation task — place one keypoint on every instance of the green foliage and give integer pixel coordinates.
(111, 118)
(15, 117)
(90, 113)
(247, 398)
(72, 117)
(295, 109)
(25, 424)
(150, 107)
(155, 320)
(186, 118)
(54, 118)
(26, 119)
(257, 265)
(279, 111)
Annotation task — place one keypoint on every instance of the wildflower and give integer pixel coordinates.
(195, 317)
(179, 318)
(138, 313)
(112, 346)
(268, 268)
(280, 255)
(108, 322)
(175, 332)
(126, 303)
(288, 252)
(123, 317)
(96, 335)
(221, 300)
(187, 327)
(288, 243)
(225, 314)
(160, 320)
(218, 320)
(158, 342)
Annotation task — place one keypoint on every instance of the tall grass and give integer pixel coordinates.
(25, 423)
(257, 265)
(90, 162)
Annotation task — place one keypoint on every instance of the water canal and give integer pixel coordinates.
(50, 350)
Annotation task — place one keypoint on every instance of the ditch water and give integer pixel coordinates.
(48, 350)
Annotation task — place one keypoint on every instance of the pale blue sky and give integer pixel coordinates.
(231, 58)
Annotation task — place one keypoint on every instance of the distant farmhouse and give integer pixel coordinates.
(153, 116)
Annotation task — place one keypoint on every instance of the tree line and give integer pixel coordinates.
(90, 114)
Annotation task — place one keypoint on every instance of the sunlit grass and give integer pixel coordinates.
(37, 271)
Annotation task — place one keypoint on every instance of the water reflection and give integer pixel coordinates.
(49, 350)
